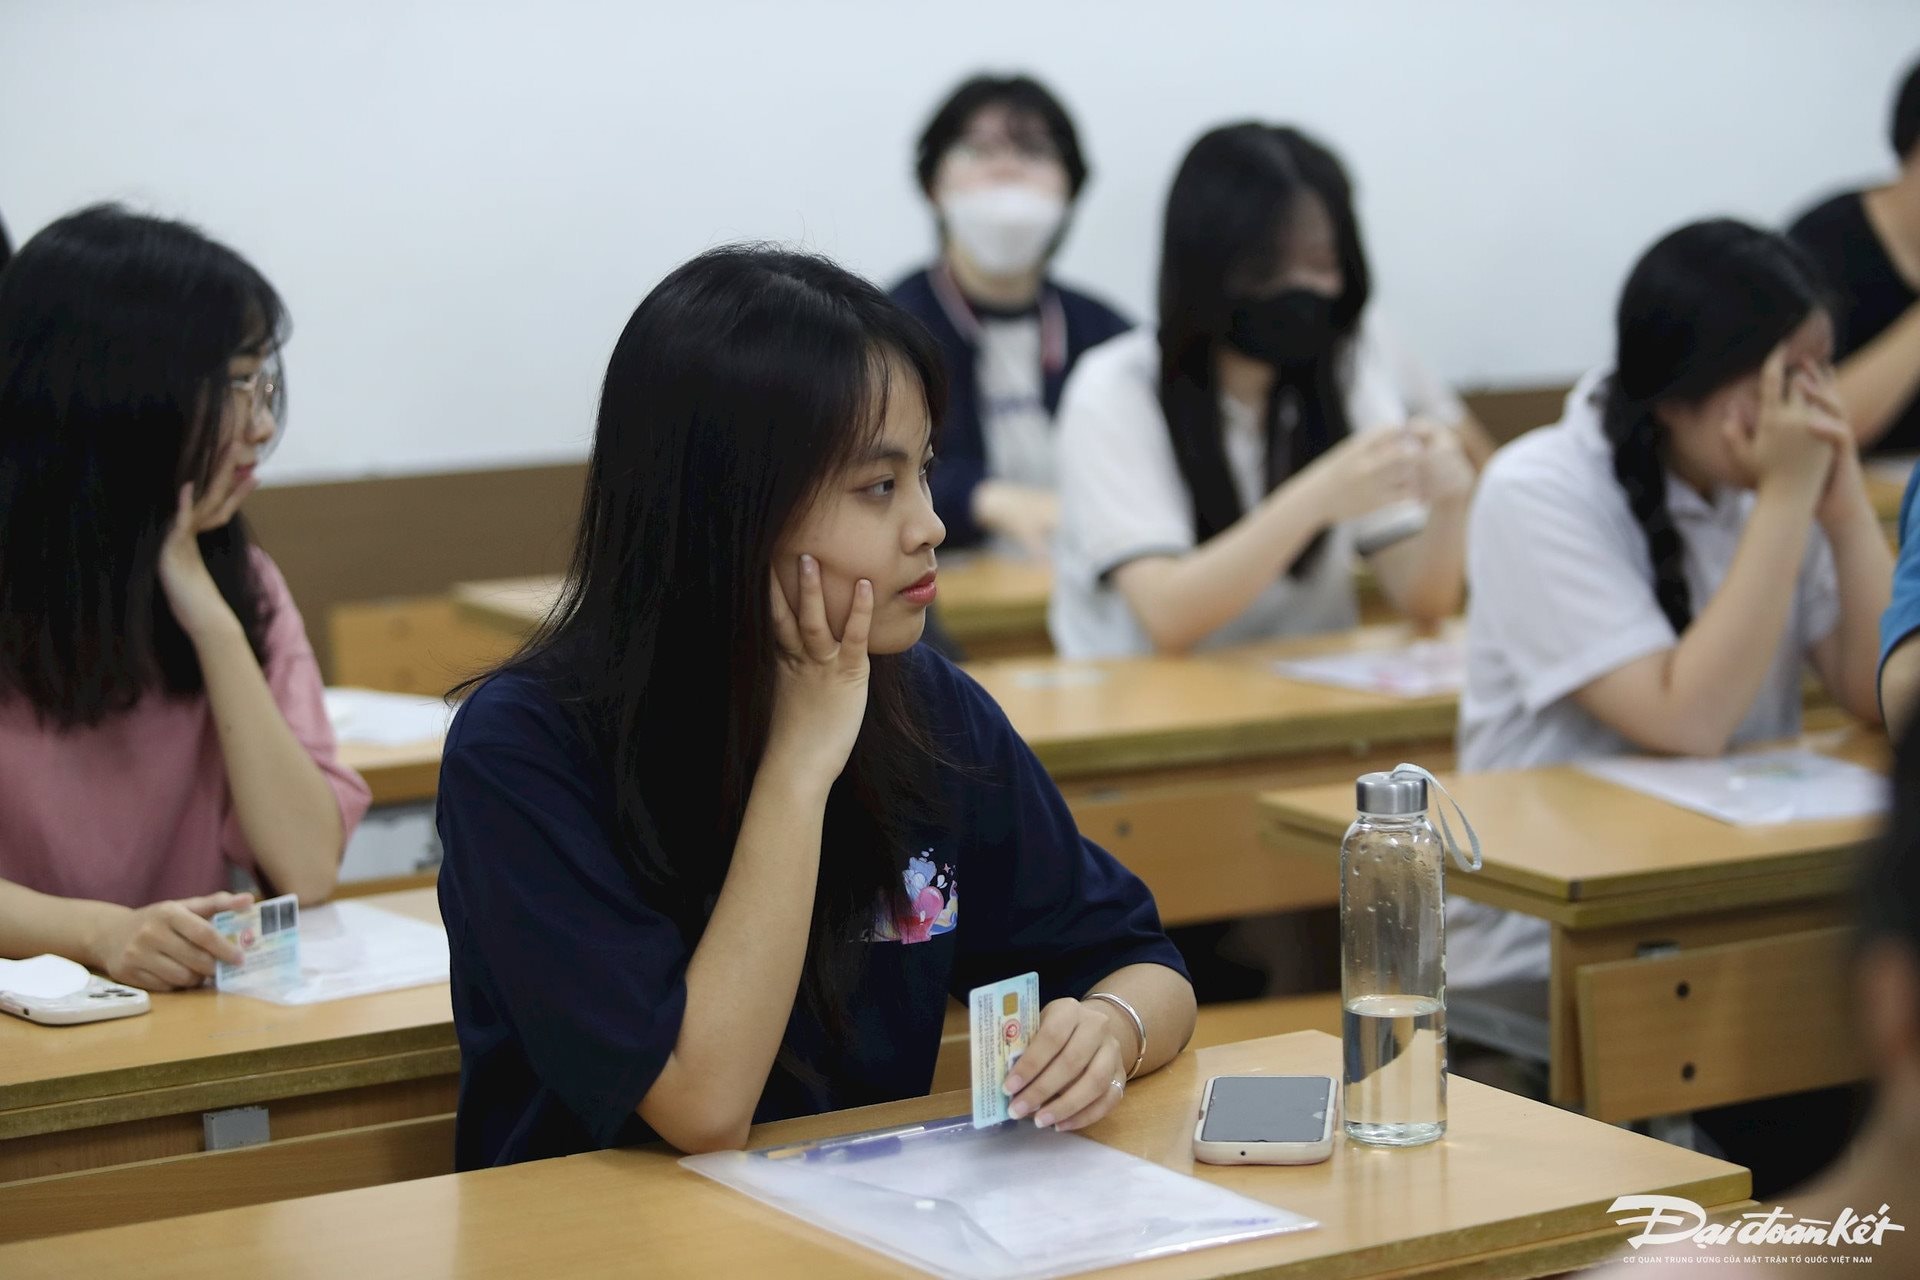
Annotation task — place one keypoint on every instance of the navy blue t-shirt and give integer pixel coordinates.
(569, 988)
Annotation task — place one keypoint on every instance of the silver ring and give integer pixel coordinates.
(1119, 1084)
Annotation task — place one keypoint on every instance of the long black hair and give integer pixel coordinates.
(1703, 307)
(742, 384)
(115, 333)
(1232, 199)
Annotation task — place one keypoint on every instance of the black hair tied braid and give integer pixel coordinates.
(1639, 463)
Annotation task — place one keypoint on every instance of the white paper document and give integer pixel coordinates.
(1755, 789)
(1012, 1202)
(351, 949)
(1419, 670)
(374, 719)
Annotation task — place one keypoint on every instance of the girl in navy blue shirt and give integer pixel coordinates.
(722, 842)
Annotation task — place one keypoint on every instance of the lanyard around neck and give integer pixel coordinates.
(1053, 317)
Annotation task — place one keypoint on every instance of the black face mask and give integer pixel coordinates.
(1294, 326)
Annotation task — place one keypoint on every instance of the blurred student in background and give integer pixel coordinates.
(1626, 562)
(161, 721)
(1001, 167)
(1212, 470)
(1655, 572)
(1868, 244)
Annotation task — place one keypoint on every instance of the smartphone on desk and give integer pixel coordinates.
(1267, 1120)
(98, 1001)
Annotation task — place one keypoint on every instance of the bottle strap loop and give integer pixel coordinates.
(1465, 862)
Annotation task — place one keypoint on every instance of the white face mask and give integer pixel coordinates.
(1006, 229)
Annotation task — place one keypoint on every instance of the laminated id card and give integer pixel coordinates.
(269, 935)
(1003, 1015)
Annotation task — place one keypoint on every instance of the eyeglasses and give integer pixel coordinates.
(263, 393)
(1026, 149)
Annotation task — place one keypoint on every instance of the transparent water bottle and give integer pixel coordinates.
(1393, 963)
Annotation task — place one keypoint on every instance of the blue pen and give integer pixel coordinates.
(868, 1146)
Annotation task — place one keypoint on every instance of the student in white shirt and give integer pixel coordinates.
(1629, 566)
(1209, 471)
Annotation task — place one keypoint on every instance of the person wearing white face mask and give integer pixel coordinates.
(1000, 163)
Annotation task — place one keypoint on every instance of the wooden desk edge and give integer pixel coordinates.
(1068, 758)
(231, 1091)
(19, 1103)
(1597, 901)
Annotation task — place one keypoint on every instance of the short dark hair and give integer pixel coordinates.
(1906, 114)
(1020, 94)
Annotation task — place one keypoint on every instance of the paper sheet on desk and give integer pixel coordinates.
(1012, 1202)
(375, 719)
(1419, 670)
(351, 949)
(1755, 789)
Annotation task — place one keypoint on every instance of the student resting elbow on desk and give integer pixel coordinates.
(1629, 565)
(724, 841)
(1214, 473)
(161, 720)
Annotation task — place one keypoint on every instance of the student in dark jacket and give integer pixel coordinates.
(1001, 165)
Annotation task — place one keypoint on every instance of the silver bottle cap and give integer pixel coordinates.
(1391, 795)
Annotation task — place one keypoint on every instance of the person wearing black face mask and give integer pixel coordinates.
(1221, 477)
(1293, 327)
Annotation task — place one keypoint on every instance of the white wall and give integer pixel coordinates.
(463, 201)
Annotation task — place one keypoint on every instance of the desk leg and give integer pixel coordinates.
(1570, 950)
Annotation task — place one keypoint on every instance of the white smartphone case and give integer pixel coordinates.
(1223, 1150)
(98, 1001)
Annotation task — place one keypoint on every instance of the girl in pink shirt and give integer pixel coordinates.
(160, 708)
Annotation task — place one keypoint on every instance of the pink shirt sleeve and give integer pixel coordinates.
(293, 675)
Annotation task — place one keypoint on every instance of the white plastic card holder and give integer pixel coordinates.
(1012, 1202)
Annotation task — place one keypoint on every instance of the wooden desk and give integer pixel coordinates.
(1109, 720)
(396, 775)
(993, 606)
(1160, 759)
(1515, 1189)
(1617, 874)
(1887, 484)
(81, 1102)
(512, 605)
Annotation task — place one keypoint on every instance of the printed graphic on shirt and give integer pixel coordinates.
(932, 907)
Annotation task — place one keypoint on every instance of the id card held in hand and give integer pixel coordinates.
(1002, 1015)
(269, 935)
